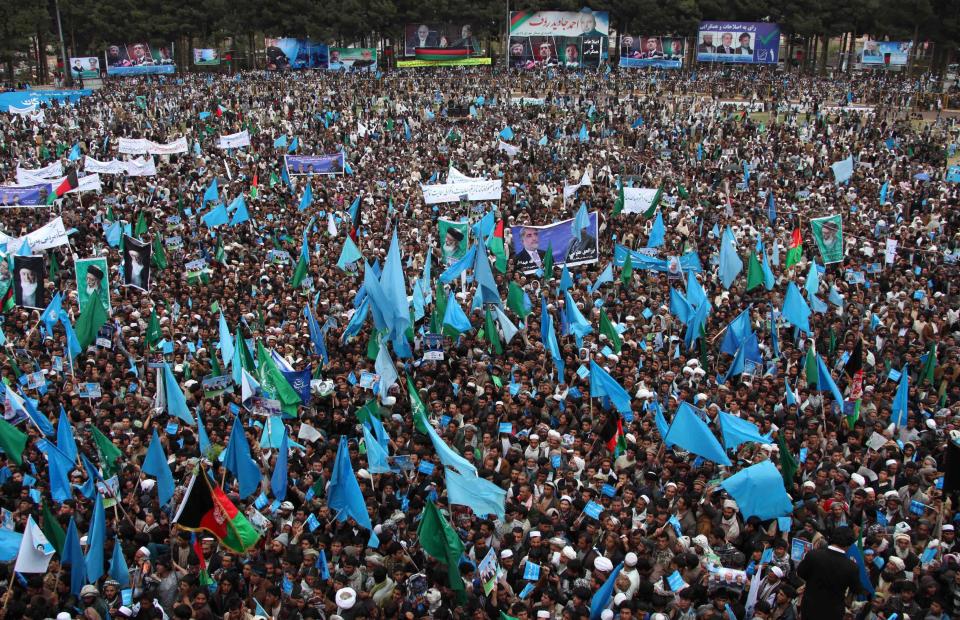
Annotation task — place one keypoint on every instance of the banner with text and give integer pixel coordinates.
(468, 191)
(530, 244)
(451, 36)
(138, 59)
(738, 42)
(559, 38)
(314, 164)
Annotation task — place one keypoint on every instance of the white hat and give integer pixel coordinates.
(602, 564)
(346, 598)
(729, 503)
(144, 551)
(606, 614)
(947, 528)
(896, 563)
(535, 534)
(630, 559)
(891, 495)
(506, 554)
(543, 613)
(860, 480)
(63, 616)
(619, 598)
(147, 484)
(570, 554)
(776, 570)
(126, 611)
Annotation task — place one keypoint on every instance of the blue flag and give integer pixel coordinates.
(344, 496)
(602, 384)
(737, 331)
(212, 194)
(60, 490)
(51, 315)
(730, 262)
(795, 310)
(238, 461)
(487, 292)
(454, 316)
(855, 554)
(307, 199)
(240, 213)
(771, 207)
(692, 434)
(898, 412)
(758, 491)
(584, 135)
(74, 153)
(73, 557)
(299, 380)
(176, 402)
(281, 142)
(605, 277)
(203, 440)
(376, 454)
(217, 216)
(658, 232)
(278, 481)
(96, 541)
(113, 233)
(349, 254)
(566, 280)
(454, 270)
(66, 441)
(294, 145)
(738, 431)
(316, 336)
(507, 133)
(155, 464)
(603, 595)
(843, 169)
(481, 495)
(118, 565)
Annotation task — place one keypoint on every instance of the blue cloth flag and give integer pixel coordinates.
(238, 461)
(155, 464)
(278, 481)
(692, 434)
(758, 491)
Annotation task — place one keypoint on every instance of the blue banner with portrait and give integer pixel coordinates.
(314, 164)
(132, 59)
(530, 244)
(738, 42)
(32, 196)
(286, 53)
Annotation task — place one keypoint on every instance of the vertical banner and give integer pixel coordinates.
(136, 263)
(93, 278)
(828, 235)
(28, 282)
(454, 239)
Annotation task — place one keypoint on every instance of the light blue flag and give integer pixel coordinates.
(774, 340)
(584, 135)
(898, 412)
(426, 283)
(454, 315)
(790, 394)
(113, 233)
(294, 145)
(73, 344)
(695, 293)
(60, 489)
(730, 262)
(118, 566)
(66, 441)
(448, 456)
(826, 382)
(453, 271)
(73, 557)
(202, 439)
(485, 226)
(605, 277)
(737, 331)
(507, 133)
(566, 280)
(281, 142)
(758, 491)
(843, 169)
(155, 464)
(737, 431)
(602, 597)
(96, 541)
(506, 325)
(795, 310)
(581, 221)
(226, 341)
(74, 153)
(176, 402)
(386, 369)
(406, 131)
(697, 321)
(240, 214)
(856, 555)
(51, 315)
(29, 408)
(579, 325)
(884, 190)
(217, 216)
(602, 384)
(378, 301)
(238, 461)
(679, 306)
(316, 335)
(307, 199)
(376, 455)
(736, 366)
(658, 233)
(419, 309)
(24, 248)
(212, 194)
(693, 435)
(344, 496)
(236, 371)
(89, 488)
(393, 284)
(661, 422)
(812, 285)
(486, 284)
(768, 278)
(278, 481)
(273, 433)
(834, 297)
(349, 254)
(550, 338)
(356, 321)
(481, 495)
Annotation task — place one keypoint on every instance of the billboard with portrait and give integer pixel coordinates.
(85, 67)
(559, 38)
(453, 36)
(314, 164)
(892, 53)
(645, 51)
(295, 54)
(93, 278)
(139, 59)
(206, 57)
(530, 244)
(738, 42)
(352, 59)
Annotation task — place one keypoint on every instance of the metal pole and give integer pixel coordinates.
(506, 40)
(67, 78)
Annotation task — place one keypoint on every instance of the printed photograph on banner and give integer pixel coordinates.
(136, 263)
(31, 196)
(738, 42)
(558, 38)
(139, 59)
(454, 239)
(314, 164)
(828, 235)
(530, 245)
(489, 569)
(660, 52)
(891, 53)
(439, 36)
(85, 67)
(93, 278)
(206, 57)
(352, 59)
(29, 277)
(286, 53)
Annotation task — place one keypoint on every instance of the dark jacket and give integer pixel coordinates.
(830, 576)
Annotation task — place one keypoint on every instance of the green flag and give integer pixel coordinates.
(246, 358)
(158, 255)
(153, 335)
(652, 209)
(92, 318)
(548, 262)
(683, 191)
(620, 201)
(754, 272)
(440, 541)
(496, 247)
(54, 267)
(109, 453)
(810, 368)
(626, 272)
(491, 332)
(795, 251)
(273, 381)
(607, 329)
(788, 464)
(369, 409)
(417, 408)
(52, 529)
(516, 301)
(13, 441)
(140, 228)
(929, 365)
(373, 345)
(300, 272)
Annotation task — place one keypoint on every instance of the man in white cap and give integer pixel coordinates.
(770, 585)
(630, 572)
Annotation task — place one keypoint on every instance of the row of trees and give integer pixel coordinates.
(29, 26)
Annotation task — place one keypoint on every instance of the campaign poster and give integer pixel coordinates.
(442, 36)
(489, 569)
(454, 238)
(559, 38)
(891, 53)
(138, 59)
(738, 42)
(85, 67)
(314, 164)
(28, 282)
(288, 53)
(657, 52)
(828, 235)
(530, 245)
(31, 196)
(93, 278)
(206, 57)
(352, 59)
(136, 263)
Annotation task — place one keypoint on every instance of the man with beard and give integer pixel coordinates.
(136, 269)
(30, 292)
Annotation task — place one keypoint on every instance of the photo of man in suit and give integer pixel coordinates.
(422, 37)
(745, 48)
(136, 263)
(726, 44)
(530, 257)
(28, 280)
(583, 248)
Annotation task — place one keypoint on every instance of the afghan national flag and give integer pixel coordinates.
(612, 435)
(206, 507)
(854, 370)
(441, 53)
(497, 248)
(69, 183)
(254, 186)
(795, 253)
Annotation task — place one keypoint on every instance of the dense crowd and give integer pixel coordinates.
(855, 479)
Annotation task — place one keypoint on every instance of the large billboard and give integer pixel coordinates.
(472, 61)
(530, 244)
(738, 42)
(558, 38)
(206, 57)
(138, 59)
(439, 35)
(85, 67)
(660, 52)
(352, 59)
(295, 54)
(893, 53)
(314, 164)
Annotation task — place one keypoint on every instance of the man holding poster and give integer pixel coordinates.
(828, 235)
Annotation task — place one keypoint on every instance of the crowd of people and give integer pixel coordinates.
(600, 517)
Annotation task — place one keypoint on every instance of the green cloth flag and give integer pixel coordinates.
(52, 529)
(440, 541)
(300, 272)
(54, 267)
(626, 272)
(92, 318)
(810, 368)
(788, 464)
(607, 329)
(417, 408)
(754, 272)
(140, 228)
(619, 202)
(158, 255)
(153, 335)
(548, 262)
(683, 191)
(652, 209)
(497, 248)
(369, 410)
(929, 365)
(109, 453)
(828, 235)
(491, 332)
(246, 359)
(515, 301)
(13, 441)
(273, 381)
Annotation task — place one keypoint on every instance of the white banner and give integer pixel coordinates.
(451, 192)
(89, 183)
(134, 146)
(50, 235)
(114, 166)
(509, 149)
(27, 111)
(26, 176)
(455, 176)
(235, 140)
(638, 199)
(141, 167)
(171, 148)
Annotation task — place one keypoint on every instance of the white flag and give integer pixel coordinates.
(331, 225)
(509, 149)
(308, 433)
(35, 550)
